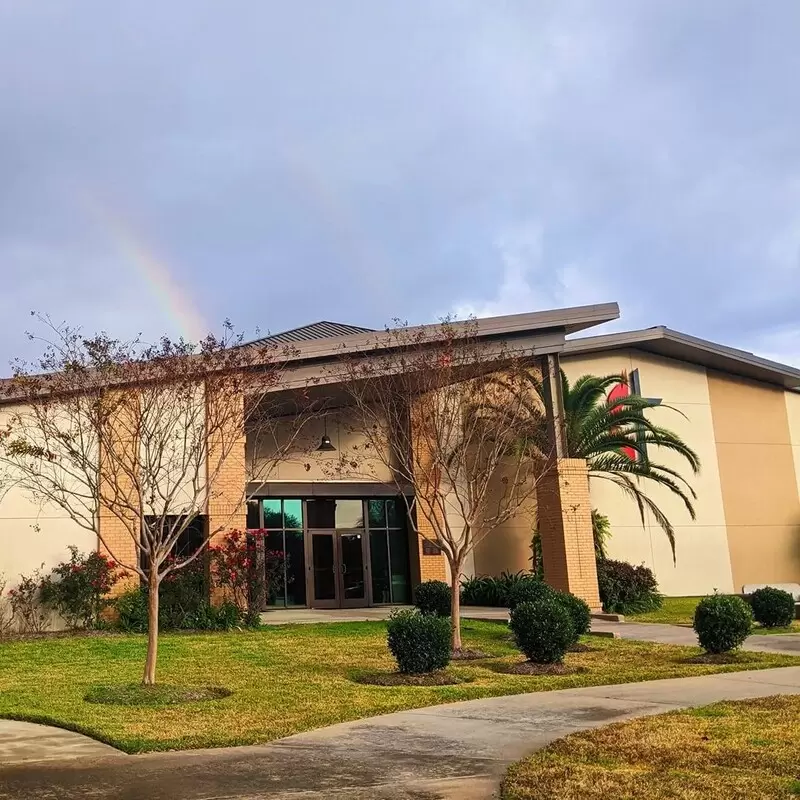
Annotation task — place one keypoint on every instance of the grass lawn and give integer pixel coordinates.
(733, 749)
(680, 611)
(285, 679)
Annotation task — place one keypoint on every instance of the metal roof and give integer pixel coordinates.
(316, 330)
(666, 342)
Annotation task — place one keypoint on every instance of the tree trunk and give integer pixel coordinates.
(149, 677)
(455, 605)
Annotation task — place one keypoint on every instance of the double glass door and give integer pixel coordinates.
(338, 563)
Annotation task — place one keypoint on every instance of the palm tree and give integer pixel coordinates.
(615, 437)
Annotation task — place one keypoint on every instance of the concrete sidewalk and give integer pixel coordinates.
(788, 643)
(452, 751)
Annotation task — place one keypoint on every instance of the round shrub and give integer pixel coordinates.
(528, 591)
(579, 613)
(419, 642)
(773, 608)
(543, 630)
(433, 597)
(627, 589)
(722, 622)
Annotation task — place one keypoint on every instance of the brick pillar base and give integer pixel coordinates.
(565, 528)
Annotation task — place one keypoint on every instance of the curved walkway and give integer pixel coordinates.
(453, 751)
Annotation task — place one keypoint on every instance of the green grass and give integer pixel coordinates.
(285, 679)
(680, 611)
(673, 611)
(732, 749)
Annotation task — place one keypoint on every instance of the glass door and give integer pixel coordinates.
(324, 569)
(352, 572)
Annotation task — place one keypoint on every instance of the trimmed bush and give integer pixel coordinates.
(529, 591)
(579, 613)
(722, 622)
(773, 608)
(626, 589)
(419, 642)
(433, 597)
(543, 630)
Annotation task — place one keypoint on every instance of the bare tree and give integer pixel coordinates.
(134, 441)
(458, 444)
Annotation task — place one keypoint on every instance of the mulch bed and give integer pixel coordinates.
(530, 668)
(470, 655)
(439, 678)
(719, 658)
(582, 648)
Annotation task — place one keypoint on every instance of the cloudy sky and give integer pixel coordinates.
(164, 166)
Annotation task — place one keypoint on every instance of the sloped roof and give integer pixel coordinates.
(664, 341)
(316, 330)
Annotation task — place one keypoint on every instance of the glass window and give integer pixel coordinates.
(274, 560)
(320, 513)
(253, 515)
(379, 561)
(273, 517)
(396, 512)
(324, 563)
(376, 512)
(295, 568)
(293, 514)
(401, 568)
(349, 514)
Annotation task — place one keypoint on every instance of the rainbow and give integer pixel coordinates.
(174, 300)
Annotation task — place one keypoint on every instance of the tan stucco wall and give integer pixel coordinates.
(756, 454)
(304, 463)
(703, 563)
(31, 535)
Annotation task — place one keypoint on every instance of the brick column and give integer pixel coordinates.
(432, 566)
(565, 527)
(116, 524)
(226, 473)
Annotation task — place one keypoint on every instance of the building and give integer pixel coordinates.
(346, 539)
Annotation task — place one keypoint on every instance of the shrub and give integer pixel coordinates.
(26, 603)
(182, 594)
(77, 589)
(131, 609)
(485, 590)
(543, 630)
(626, 589)
(722, 622)
(433, 597)
(579, 613)
(773, 608)
(528, 591)
(419, 642)
(6, 615)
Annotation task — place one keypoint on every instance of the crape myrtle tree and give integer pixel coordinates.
(132, 440)
(427, 410)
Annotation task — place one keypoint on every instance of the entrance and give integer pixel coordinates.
(338, 563)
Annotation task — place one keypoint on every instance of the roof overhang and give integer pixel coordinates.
(666, 342)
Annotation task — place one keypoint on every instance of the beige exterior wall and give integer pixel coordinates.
(32, 535)
(702, 561)
(303, 463)
(756, 452)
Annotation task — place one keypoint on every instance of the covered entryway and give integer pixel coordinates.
(335, 552)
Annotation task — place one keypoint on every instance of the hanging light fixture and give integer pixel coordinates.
(325, 444)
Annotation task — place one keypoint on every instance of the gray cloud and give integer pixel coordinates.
(361, 161)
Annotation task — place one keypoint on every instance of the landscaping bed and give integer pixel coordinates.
(731, 749)
(287, 679)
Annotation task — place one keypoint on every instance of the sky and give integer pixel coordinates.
(165, 166)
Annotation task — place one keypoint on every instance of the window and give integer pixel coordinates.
(389, 551)
(285, 562)
(189, 541)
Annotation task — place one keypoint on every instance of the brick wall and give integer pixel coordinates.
(117, 525)
(565, 527)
